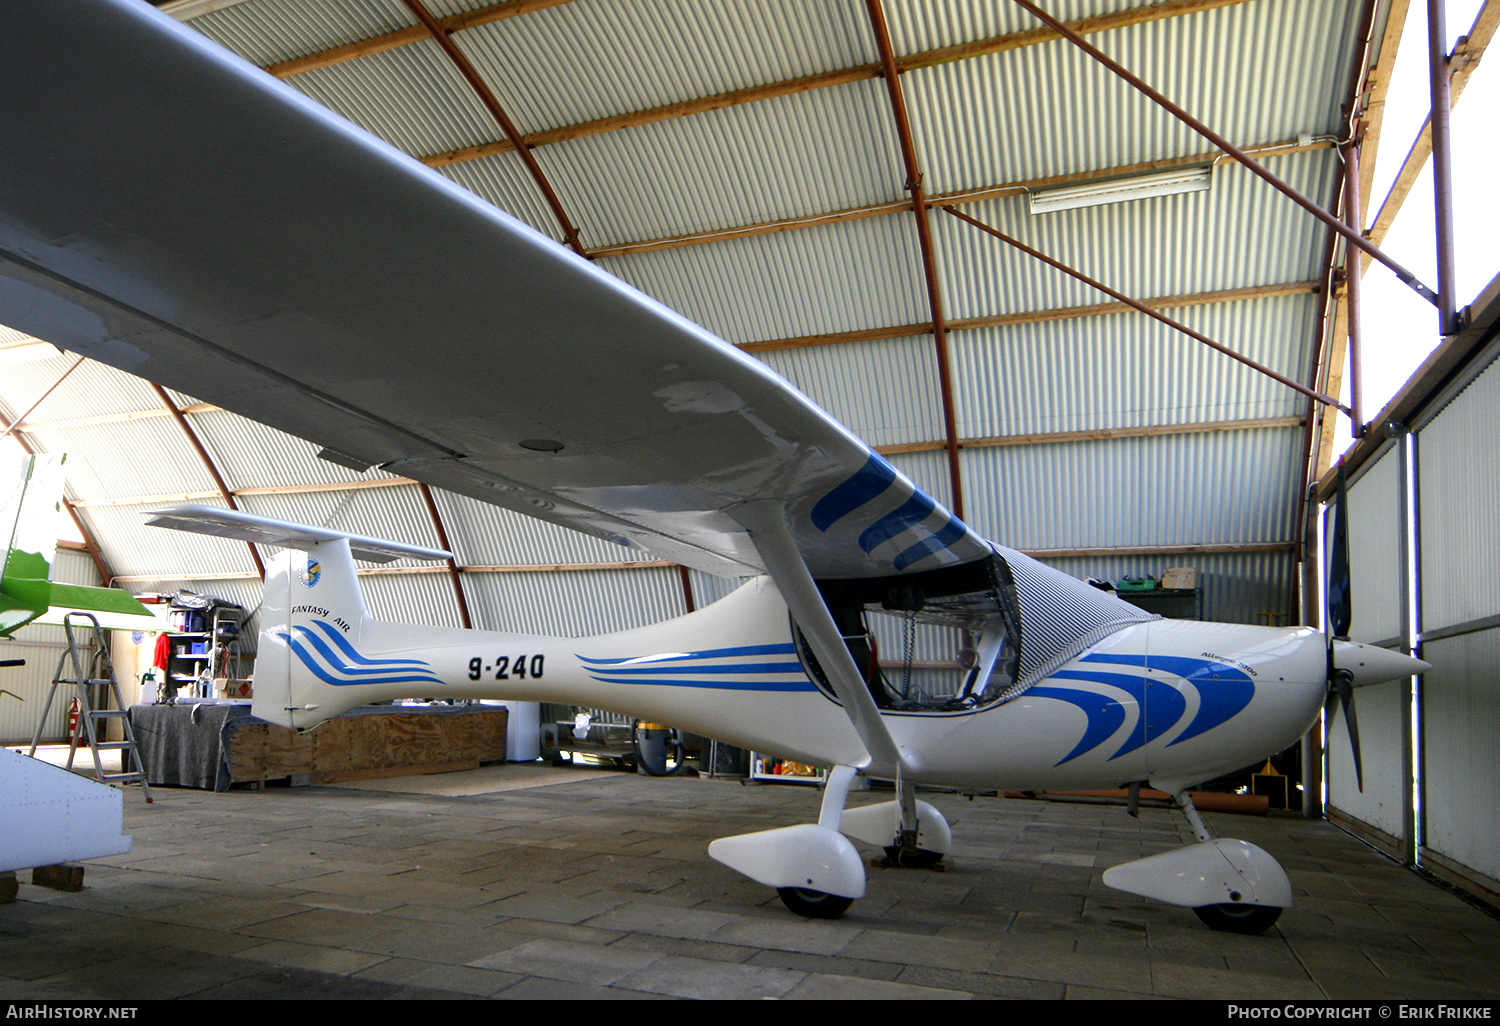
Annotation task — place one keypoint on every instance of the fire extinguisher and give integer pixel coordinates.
(73, 724)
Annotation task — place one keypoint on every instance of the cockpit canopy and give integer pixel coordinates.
(961, 638)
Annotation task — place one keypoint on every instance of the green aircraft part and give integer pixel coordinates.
(29, 519)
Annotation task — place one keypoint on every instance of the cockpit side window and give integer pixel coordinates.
(946, 641)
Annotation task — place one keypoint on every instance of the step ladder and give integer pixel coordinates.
(90, 718)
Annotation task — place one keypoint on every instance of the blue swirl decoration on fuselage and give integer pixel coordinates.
(707, 669)
(1223, 691)
(347, 665)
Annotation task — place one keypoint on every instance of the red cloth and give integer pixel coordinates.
(163, 651)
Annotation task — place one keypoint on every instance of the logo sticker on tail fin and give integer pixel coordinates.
(311, 574)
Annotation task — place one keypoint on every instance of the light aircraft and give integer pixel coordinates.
(174, 212)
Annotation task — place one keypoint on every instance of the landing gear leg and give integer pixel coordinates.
(1231, 885)
(1184, 804)
(820, 904)
(906, 853)
(1231, 916)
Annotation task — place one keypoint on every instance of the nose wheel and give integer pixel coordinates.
(813, 904)
(1238, 918)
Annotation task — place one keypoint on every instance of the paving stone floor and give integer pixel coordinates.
(600, 886)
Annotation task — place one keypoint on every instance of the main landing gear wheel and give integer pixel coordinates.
(896, 857)
(814, 904)
(1239, 918)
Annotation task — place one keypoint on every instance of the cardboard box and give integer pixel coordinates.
(1179, 578)
(231, 688)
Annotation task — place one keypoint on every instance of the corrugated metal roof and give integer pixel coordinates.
(581, 61)
(270, 31)
(1261, 71)
(855, 382)
(789, 284)
(251, 455)
(574, 603)
(817, 152)
(412, 97)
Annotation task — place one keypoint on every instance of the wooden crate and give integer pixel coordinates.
(373, 745)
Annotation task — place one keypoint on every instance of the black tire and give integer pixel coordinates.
(814, 904)
(1239, 918)
(919, 859)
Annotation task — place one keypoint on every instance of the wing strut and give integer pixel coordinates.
(765, 520)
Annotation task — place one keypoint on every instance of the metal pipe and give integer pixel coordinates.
(1442, 163)
(208, 463)
(453, 575)
(1352, 273)
(22, 418)
(1143, 308)
(1224, 144)
(486, 97)
(924, 238)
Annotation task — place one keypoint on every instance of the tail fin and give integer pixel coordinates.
(313, 602)
(313, 616)
(29, 520)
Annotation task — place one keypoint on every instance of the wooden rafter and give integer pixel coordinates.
(451, 565)
(443, 36)
(1097, 434)
(1465, 59)
(1467, 55)
(891, 72)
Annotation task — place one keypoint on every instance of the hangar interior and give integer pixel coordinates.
(824, 186)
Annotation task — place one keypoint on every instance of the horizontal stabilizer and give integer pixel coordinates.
(231, 523)
(108, 619)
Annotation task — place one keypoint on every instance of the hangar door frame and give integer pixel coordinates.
(1425, 545)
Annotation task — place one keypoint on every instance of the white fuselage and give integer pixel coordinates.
(1172, 702)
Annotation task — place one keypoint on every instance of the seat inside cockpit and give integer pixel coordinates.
(942, 641)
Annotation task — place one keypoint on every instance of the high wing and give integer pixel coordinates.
(177, 213)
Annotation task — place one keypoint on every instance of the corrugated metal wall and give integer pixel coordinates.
(1443, 812)
(1374, 543)
(1459, 493)
(1461, 752)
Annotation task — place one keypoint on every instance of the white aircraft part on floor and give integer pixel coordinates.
(51, 815)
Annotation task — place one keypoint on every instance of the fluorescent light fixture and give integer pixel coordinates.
(1121, 190)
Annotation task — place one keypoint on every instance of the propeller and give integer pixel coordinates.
(1340, 616)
